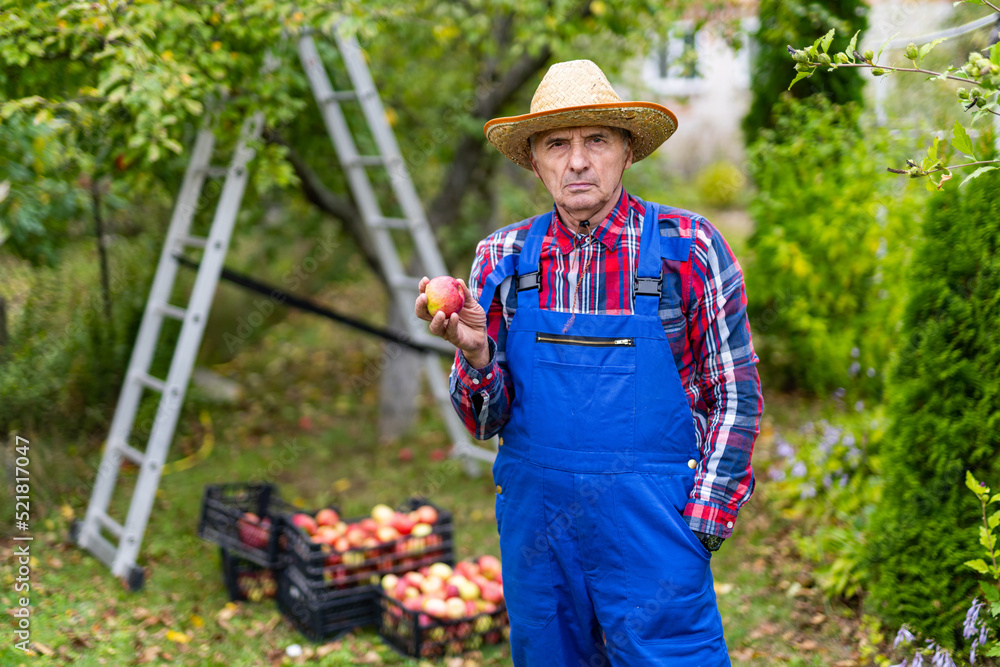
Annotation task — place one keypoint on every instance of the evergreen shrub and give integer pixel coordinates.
(944, 417)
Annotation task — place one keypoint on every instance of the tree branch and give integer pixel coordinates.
(319, 195)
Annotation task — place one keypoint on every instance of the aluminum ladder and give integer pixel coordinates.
(403, 287)
(121, 557)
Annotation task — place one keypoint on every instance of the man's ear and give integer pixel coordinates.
(628, 159)
(534, 165)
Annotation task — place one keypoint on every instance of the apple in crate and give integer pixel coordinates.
(305, 522)
(327, 517)
(254, 531)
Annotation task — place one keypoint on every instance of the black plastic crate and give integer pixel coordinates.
(224, 520)
(322, 568)
(322, 616)
(246, 580)
(418, 635)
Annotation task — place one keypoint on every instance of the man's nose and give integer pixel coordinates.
(578, 158)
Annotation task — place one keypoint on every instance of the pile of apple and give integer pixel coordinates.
(384, 541)
(254, 531)
(257, 586)
(459, 608)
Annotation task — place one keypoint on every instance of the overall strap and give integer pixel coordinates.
(648, 278)
(528, 276)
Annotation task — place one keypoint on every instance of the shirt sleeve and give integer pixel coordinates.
(482, 396)
(726, 364)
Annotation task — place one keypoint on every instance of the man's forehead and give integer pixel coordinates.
(585, 130)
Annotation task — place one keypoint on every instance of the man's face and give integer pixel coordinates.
(581, 167)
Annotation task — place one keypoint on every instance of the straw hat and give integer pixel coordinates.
(575, 94)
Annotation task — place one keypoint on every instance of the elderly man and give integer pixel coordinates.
(606, 341)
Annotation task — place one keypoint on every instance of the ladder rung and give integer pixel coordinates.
(132, 454)
(100, 547)
(193, 241)
(390, 223)
(367, 161)
(151, 382)
(216, 172)
(408, 283)
(109, 523)
(172, 311)
(339, 96)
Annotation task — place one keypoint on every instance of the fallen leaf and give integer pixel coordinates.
(42, 648)
(371, 658)
(808, 645)
(764, 630)
(723, 589)
(178, 637)
(150, 654)
(817, 618)
(197, 621)
(326, 649)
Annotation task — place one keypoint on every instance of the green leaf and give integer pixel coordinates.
(825, 41)
(997, 496)
(994, 521)
(991, 593)
(986, 539)
(979, 565)
(799, 76)
(961, 140)
(993, 651)
(995, 54)
(884, 44)
(926, 48)
(972, 482)
(976, 174)
(852, 47)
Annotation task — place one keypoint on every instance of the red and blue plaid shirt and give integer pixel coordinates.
(703, 309)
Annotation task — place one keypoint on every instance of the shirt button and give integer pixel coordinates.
(489, 376)
(475, 381)
(499, 489)
(501, 441)
(692, 464)
(729, 524)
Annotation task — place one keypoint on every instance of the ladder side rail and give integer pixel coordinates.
(186, 350)
(339, 131)
(409, 200)
(145, 343)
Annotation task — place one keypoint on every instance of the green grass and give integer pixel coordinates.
(86, 617)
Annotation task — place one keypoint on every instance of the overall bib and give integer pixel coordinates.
(594, 470)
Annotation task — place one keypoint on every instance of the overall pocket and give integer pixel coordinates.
(670, 593)
(583, 392)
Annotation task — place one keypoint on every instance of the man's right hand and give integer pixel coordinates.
(465, 329)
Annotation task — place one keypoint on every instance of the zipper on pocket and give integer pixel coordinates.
(586, 341)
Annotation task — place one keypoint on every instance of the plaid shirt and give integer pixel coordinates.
(703, 309)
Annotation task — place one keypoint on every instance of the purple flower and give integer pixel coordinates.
(904, 636)
(776, 474)
(785, 449)
(970, 625)
(918, 660)
(808, 491)
(844, 479)
(799, 469)
(942, 658)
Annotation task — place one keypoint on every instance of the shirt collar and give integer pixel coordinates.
(608, 232)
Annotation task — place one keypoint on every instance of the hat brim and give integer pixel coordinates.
(650, 124)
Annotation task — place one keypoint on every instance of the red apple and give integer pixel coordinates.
(383, 514)
(341, 544)
(489, 566)
(456, 607)
(367, 525)
(436, 607)
(327, 517)
(403, 523)
(305, 522)
(427, 514)
(386, 534)
(446, 294)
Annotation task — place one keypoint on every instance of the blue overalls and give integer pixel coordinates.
(595, 467)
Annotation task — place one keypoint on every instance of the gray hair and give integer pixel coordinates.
(622, 132)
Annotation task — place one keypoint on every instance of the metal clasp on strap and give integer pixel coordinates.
(648, 286)
(531, 280)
